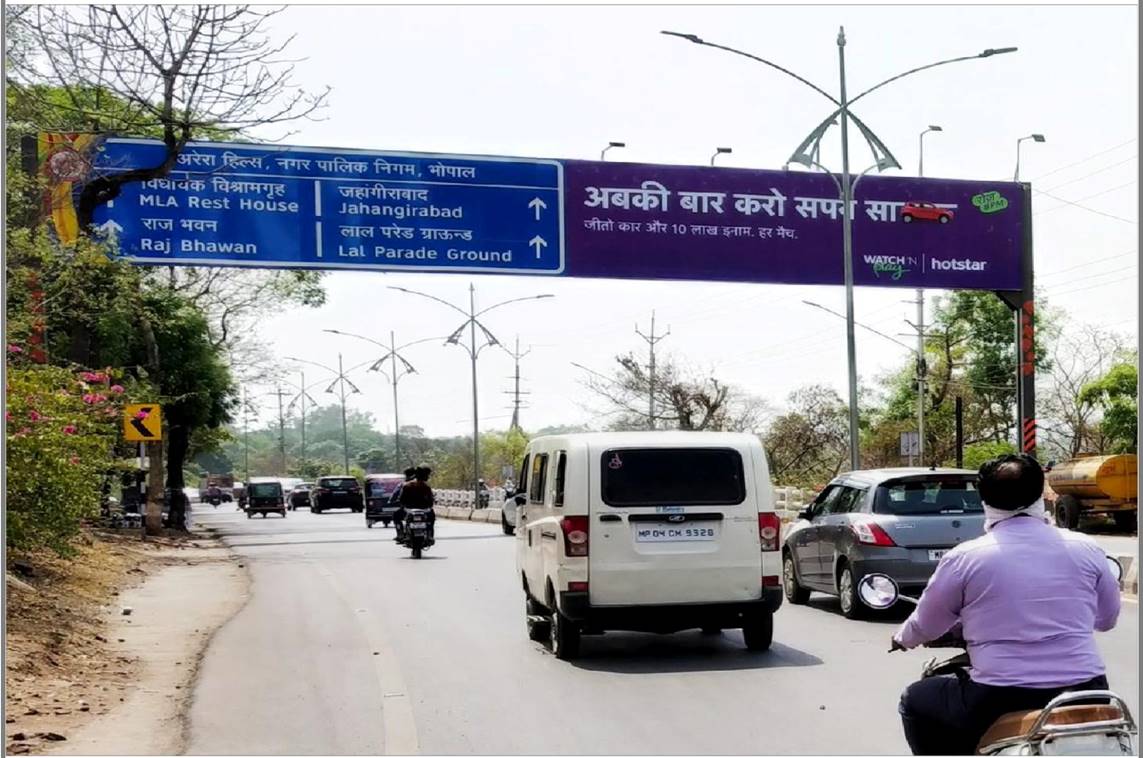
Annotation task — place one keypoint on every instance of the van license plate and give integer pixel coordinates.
(665, 533)
(936, 555)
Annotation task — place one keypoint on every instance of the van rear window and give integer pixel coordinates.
(928, 496)
(672, 476)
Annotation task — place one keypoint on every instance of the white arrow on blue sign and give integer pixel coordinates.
(271, 206)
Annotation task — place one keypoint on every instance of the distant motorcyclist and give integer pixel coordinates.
(417, 494)
(1027, 598)
(485, 493)
(395, 499)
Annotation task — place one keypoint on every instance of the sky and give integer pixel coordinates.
(561, 82)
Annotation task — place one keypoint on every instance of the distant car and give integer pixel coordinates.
(512, 500)
(336, 492)
(898, 522)
(378, 489)
(925, 212)
(300, 496)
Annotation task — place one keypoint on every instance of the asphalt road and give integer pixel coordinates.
(348, 646)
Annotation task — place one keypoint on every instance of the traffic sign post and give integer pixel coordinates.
(143, 422)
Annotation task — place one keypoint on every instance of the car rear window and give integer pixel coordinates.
(672, 476)
(340, 484)
(928, 496)
(265, 490)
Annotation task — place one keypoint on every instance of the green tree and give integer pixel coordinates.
(977, 454)
(1117, 393)
(809, 443)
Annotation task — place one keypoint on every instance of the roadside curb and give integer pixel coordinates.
(1130, 575)
(480, 515)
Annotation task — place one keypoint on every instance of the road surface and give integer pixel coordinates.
(348, 646)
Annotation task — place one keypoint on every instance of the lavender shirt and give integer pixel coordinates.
(1028, 597)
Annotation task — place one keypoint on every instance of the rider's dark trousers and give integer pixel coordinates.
(947, 715)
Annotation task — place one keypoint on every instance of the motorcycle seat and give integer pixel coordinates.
(1016, 724)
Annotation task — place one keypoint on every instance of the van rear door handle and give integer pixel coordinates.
(609, 517)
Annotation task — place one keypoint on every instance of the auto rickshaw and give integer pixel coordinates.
(265, 497)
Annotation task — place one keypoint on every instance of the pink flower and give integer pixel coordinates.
(74, 460)
(34, 416)
(15, 349)
(26, 430)
(8, 415)
(118, 389)
(89, 376)
(141, 415)
(89, 398)
(70, 429)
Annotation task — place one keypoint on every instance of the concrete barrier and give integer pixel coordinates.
(1130, 574)
(458, 513)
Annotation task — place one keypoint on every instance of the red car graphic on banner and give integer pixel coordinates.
(925, 212)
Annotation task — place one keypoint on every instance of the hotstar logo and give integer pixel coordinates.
(893, 265)
(957, 264)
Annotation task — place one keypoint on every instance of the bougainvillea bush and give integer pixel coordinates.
(62, 427)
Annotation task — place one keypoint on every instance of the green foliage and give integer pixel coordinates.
(62, 427)
(976, 455)
(1117, 392)
(808, 444)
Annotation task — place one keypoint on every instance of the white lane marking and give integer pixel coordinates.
(399, 728)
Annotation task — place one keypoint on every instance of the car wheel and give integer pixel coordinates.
(563, 635)
(505, 526)
(385, 523)
(417, 552)
(249, 514)
(795, 593)
(538, 628)
(369, 524)
(851, 605)
(907, 219)
(1067, 512)
(758, 631)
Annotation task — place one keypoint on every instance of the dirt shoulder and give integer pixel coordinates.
(102, 648)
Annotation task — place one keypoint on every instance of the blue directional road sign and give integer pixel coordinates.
(294, 207)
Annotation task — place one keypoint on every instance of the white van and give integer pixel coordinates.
(647, 531)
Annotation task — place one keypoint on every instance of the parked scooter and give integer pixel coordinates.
(1068, 725)
(418, 530)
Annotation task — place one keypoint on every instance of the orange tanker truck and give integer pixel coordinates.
(1094, 484)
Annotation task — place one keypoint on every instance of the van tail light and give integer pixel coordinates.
(575, 535)
(771, 581)
(870, 533)
(769, 527)
(577, 586)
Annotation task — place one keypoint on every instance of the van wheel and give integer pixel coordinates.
(795, 593)
(1067, 512)
(504, 525)
(369, 524)
(851, 605)
(758, 631)
(564, 636)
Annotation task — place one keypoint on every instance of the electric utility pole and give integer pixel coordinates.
(517, 402)
(652, 340)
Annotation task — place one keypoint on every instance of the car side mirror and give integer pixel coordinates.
(520, 500)
(807, 514)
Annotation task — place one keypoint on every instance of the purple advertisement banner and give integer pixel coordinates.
(641, 221)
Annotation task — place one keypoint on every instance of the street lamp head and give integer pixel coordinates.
(997, 51)
(1038, 138)
(933, 128)
(689, 37)
(617, 144)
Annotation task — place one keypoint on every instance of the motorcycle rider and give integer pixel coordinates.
(395, 499)
(417, 494)
(1026, 597)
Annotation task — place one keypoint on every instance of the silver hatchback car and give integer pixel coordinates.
(897, 521)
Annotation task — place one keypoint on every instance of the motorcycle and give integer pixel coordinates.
(418, 531)
(1068, 725)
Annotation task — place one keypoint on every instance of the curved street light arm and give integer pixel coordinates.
(787, 72)
(886, 159)
(513, 300)
(433, 297)
(418, 342)
(303, 360)
(986, 54)
(356, 336)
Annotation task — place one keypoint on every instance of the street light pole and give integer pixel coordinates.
(396, 413)
(246, 435)
(720, 151)
(847, 246)
(921, 367)
(610, 145)
(1034, 138)
(344, 426)
(806, 154)
(472, 321)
